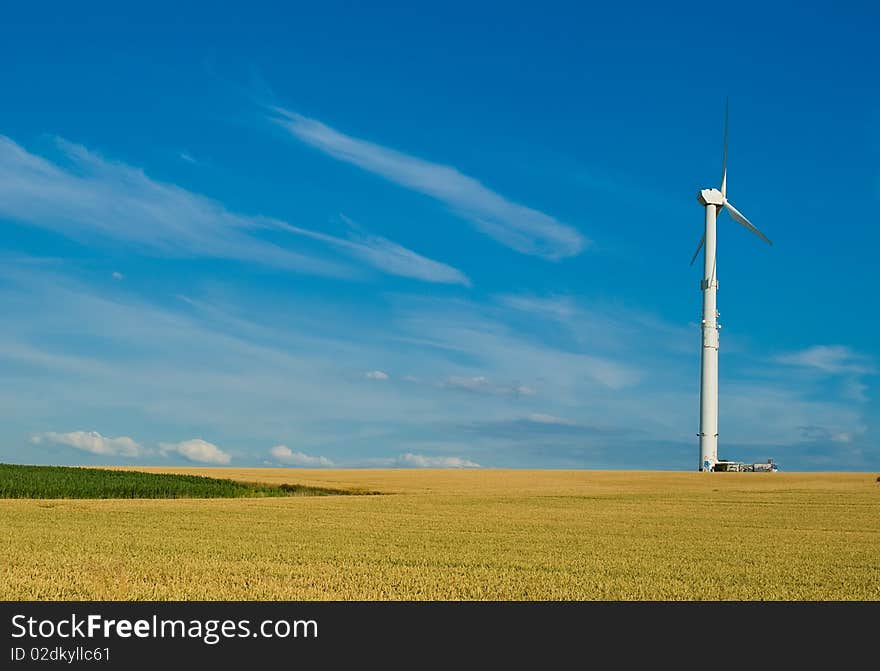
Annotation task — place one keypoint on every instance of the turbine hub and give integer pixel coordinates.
(710, 197)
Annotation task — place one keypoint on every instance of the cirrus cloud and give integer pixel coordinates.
(831, 359)
(543, 418)
(480, 384)
(85, 195)
(521, 228)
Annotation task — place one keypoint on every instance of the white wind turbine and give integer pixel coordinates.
(713, 201)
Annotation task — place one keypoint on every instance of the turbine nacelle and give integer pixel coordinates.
(710, 197)
(707, 197)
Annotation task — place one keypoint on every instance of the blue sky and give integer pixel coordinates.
(453, 235)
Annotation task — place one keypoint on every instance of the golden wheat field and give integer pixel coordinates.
(439, 534)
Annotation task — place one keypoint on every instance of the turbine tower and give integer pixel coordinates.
(713, 200)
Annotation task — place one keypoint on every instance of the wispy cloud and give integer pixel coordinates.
(197, 450)
(832, 359)
(559, 308)
(522, 228)
(499, 344)
(189, 158)
(92, 441)
(388, 256)
(542, 418)
(760, 413)
(820, 434)
(295, 374)
(91, 196)
(284, 455)
(481, 385)
(856, 390)
(376, 375)
(409, 460)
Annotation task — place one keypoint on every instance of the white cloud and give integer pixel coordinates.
(92, 441)
(93, 196)
(761, 413)
(197, 450)
(522, 228)
(376, 375)
(855, 390)
(477, 383)
(558, 308)
(394, 259)
(285, 455)
(541, 418)
(832, 359)
(506, 348)
(387, 256)
(97, 197)
(410, 460)
(117, 275)
(245, 373)
(480, 384)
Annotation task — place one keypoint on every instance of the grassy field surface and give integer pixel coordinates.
(65, 482)
(480, 534)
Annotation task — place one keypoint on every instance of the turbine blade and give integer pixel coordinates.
(724, 159)
(699, 247)
(738, 217)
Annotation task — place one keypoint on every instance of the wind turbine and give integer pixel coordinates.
(713, 200)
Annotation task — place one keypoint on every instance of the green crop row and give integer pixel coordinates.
(65, 482)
